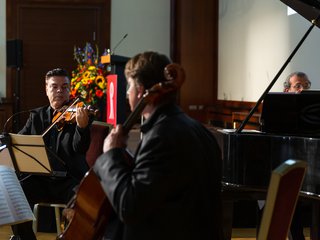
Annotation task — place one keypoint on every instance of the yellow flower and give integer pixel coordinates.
(87, 74)
(100, 81)
(85, 81)
(77, 86)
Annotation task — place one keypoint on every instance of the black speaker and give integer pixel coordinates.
(14, 53)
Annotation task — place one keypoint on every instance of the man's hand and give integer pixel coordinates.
(117, 138)
(82, 117)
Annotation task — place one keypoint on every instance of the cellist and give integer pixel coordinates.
(171, 188)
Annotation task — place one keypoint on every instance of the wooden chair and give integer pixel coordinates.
(99, 130)
(282, 196)
(57, 208)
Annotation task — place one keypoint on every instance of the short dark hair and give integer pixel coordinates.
(57, 72)
(147, 68)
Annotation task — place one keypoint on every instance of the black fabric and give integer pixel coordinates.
(70, 145)
(173, 189)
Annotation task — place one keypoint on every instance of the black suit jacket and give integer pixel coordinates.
(71, 143)
(173, 189)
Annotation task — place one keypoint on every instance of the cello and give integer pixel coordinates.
(91, 209)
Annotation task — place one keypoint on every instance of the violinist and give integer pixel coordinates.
(171, 187)
(68, 145)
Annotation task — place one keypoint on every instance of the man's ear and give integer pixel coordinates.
(141, 91)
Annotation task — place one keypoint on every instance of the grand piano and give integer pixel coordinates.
(290, 129)
(248, 160)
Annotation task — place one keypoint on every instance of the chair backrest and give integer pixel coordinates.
(282, 196)
(99, 131)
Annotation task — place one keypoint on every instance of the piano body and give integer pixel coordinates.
(290, 125)
(248, 160)
(290, 131)
(250, 156)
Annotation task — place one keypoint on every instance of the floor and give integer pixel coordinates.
(237, 234)
(5, 233)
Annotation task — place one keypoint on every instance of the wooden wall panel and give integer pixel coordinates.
(196, 50)
(194, 32)
(49, 30)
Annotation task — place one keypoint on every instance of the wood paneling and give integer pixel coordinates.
(5, 113)
(195, 41)
(194, 32)
(194, 44)
(225, 113)
(49, 31)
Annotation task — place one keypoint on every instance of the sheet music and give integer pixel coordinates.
(30, 153)
(14, 207)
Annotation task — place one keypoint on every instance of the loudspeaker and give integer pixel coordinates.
(14, 53)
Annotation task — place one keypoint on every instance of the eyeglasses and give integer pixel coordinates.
(301, 86)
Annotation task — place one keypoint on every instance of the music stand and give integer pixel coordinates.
(28, 154)
(291, 113)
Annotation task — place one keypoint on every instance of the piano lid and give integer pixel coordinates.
(309, 9)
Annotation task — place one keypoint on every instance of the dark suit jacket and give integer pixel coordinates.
(71, 143)
(172, 191)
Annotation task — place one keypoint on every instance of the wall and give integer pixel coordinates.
(255, 39)
(147, 23)
(2, 48)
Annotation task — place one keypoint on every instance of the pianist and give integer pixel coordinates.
(296, 82)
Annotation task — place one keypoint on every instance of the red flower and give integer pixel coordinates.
(99, 93)
(74, 93)
(100, 72)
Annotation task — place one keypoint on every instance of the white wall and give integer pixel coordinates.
(2, 48)
(147, 23)
(255, 39)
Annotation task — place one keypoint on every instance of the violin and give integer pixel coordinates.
(67, 115)
(90, 208)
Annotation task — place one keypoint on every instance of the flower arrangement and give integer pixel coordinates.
(88, 80)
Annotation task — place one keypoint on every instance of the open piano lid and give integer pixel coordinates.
(292, 113)
(309, 9)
